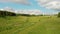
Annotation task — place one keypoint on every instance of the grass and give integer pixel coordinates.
(30, 25)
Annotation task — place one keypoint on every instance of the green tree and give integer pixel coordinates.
(6, 13)
(59, 14)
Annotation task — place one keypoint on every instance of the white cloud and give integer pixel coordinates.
(50, 4)
(34, 11)
(28, 11)
(16, 1)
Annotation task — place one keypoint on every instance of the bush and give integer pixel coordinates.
(41, 15)
(59, 14)
(23, 15)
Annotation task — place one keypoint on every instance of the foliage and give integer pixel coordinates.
(59, 14)
(6, 13)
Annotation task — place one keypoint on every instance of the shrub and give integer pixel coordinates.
(41, 15)
(59, 14)
(24, 14)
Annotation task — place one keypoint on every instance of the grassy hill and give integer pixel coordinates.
(30, 25)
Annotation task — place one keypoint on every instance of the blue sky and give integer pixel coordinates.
(21, 6)
(26, 7)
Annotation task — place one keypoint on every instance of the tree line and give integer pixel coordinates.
(8, 13)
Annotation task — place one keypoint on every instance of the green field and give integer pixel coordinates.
(30, 25)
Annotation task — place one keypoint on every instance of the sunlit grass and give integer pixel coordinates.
(30, 25)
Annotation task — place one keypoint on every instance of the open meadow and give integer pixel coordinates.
(30, 25)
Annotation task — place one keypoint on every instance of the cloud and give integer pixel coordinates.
(23, 11)
(15, 1)
(28, 11)
(50, 4)
(34, 11)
